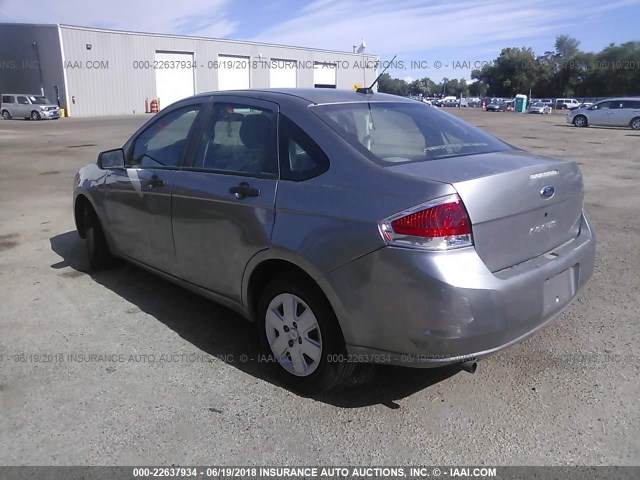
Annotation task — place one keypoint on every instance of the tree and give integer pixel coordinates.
(424, 86)
(478, 89)
(566, 47)
(563, 72)
(394, 86)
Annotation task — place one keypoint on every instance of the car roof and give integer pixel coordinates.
(316, 96)
(617, 99)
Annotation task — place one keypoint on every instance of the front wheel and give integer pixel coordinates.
(97, 248)
(580, 121)
(635, 123)
(298, 325)
(35, 115)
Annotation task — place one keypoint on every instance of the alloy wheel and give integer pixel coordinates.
(580, 121)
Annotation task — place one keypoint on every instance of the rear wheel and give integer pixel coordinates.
(35, 115)
(6, 115)
(97, 248)
(580, 121)
(297, 324)
(635, 123)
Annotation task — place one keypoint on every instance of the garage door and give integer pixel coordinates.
(233, 72)
(282, 73)
(324, 75)
(174, 77)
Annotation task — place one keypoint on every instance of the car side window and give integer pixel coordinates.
(631, 104)
(602, 106)
(164, 142)
(300, 157)
(238, 139)
(23, 101)
(8, 99)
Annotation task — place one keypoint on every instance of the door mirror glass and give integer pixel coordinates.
(111, 159)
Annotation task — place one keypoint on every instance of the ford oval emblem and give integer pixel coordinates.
(547, 192)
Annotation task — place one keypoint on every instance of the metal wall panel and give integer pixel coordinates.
(117, 73)
(19, 68)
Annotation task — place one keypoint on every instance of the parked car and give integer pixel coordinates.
(619, 112)
(497, 107)
(35, 107)
(347, 226)
(539, 107)
(509, 106)
(566, 103)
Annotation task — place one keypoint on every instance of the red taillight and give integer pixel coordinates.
(441, 224)
(442, 220)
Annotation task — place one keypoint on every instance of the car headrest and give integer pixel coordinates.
(254, 131)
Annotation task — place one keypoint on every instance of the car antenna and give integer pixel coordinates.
(369, 90)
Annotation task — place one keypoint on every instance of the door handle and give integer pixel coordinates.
(244, 190)
(155, 182)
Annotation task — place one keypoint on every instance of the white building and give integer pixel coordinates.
(106, 72)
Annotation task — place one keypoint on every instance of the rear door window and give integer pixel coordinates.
(240, 138)
(23, 101)
(634, 104)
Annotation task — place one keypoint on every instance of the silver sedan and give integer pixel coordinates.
(539, 107)
(350, 227)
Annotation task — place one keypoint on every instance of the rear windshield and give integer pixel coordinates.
(390, 133)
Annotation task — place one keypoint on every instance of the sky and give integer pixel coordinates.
(457, 34)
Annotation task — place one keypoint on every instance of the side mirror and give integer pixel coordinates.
(111, 159)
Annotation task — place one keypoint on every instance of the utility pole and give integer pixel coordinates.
(35, 45)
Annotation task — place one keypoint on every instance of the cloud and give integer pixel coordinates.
(413, 26)
(195, 17)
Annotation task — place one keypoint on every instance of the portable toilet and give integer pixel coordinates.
(520, 105)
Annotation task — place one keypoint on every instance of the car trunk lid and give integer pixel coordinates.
(520, 205)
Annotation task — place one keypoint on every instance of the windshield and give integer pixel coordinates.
(390, 133)
(39, 100)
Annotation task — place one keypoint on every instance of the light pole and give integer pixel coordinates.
(35, 45)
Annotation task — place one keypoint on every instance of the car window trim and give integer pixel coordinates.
(250, 102)
(204, 107)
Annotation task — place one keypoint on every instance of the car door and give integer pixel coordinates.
(600, 114)
(632, 110)
(137, 198)
(23, 107)
(224, 199)
(618, 114)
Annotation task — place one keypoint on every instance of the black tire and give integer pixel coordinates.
(97, 249)
(332, 367)
(6, 115)
(35, 115)
(635, 123)
(580, 121)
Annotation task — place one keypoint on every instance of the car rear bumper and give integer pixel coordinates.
(413, 308)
